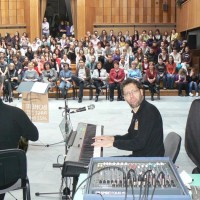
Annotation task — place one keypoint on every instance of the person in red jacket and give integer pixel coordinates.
(151, 75)
(171, 72)
(117, 75)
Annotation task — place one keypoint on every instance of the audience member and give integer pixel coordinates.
(174, 35)
(171, 72)
(151, 76)
(62, 28)
(164, 55)
(3, 68)
(99, 78)
(30, 74)
(134, 73)
(11, 82)
(91, 64)
(177, 59)
(161, 73)
(49, 75)
(123, 64)
(193, 81)
(116, 75)
(65, 80)
(45, 27)
(186, 58)
(182, 82)
(82, 78)
(108, 65)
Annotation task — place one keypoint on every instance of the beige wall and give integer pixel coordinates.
(12, 16)
(188, 15)
(114, 12)
(33, 19)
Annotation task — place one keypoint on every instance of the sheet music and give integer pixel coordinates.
(40, 87)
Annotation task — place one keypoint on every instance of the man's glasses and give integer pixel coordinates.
(132, 92)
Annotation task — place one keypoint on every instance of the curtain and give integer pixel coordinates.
(73, 10)
(43, 9)
(68, 10)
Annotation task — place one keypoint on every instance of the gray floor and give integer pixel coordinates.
(114, 116)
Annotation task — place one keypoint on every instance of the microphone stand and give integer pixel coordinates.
(66, 111)
(66, 191)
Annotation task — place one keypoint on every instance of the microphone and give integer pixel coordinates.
(90, 107)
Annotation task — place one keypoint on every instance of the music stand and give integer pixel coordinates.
(32, 87)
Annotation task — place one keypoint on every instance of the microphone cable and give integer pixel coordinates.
(132, 186)
(146, 189)
(155, 184)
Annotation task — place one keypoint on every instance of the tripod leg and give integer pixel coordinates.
(75, 181)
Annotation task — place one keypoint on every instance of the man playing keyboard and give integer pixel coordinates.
(145, 133)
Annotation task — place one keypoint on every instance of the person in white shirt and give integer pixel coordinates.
(124, 65)
(65, 60)
(95, 41)
(45, 27)
(99, 77)
(177, 58)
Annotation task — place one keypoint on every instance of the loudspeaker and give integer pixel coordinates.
(165, 7)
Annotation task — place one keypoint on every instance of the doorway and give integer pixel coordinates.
(57, 11)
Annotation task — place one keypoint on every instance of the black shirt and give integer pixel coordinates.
(145, 134)
(161, 69)
(14, 123)
(108, 66)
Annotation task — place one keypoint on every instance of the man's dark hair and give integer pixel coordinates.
(130, 81)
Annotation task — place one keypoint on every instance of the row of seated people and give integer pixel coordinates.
(150, 75)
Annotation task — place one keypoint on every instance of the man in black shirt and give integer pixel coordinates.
(161, 72)
(14, 123)
(108, 65)
(145, 134)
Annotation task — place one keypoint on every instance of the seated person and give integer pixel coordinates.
(30, 74)
(161, 73)
(65, 80)
(193, 82)
(14, 125)
(145, 67)
(145, 133)
(192, 132)
(99, 77)
(186, 58)
(123, 64)
(116, 75)
(151, 80)
(49, 75)
(182, 82)
(11, 82)
(177, 59)
(108, 65)
(171, 72)
(134, 73)
(91, 64)
(3, 68)
(82, 78)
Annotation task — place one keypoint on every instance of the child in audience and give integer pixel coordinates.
(182, 82)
